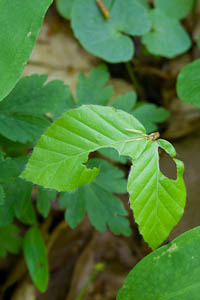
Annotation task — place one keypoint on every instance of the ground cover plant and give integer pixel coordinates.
(80, 151)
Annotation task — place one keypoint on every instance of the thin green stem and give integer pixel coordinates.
(134, 80)
(98, 268)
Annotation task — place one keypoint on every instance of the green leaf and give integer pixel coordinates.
(103, 208)
(157, 201)
(125, 102)
(188, 88)
(168, 38)
(16, 45)
(10, 168)
(177, 9)
(17, 193)
(108, 38)
(36, 258)
(110, 177)
(92, 90)
(150, 115)
(171, 272)
(113, 154)
(17, 203)
(44, 198)
(26, 106)
(65, 146)
(2, 195)
(64, 7)
(10, 241)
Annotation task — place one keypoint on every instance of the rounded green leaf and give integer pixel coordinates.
(58, 160)
(167, 38)
(177, 9)
(188, 84)
(169, 273)
(36, 258)
(157, 201)
(20, 23)
(107, 38)
(65, 7)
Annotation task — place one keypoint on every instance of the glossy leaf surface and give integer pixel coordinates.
(16, 45)
(58, 160)
(157, 201)
(169, 273)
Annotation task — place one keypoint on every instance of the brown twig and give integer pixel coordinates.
(103, 9)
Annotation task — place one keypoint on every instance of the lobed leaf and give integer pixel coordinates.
(91, 90)
(97, 199)
(26, 108)
(168, 38)
(36, 258)
(171, 272)
(157, 201)
(188, 88)
(125, 102)
(108, 38)
(58, 159)
(16, 45)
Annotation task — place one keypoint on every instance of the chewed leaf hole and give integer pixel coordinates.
(167, 165)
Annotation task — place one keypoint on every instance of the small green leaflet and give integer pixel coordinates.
(188, 87)
(16, 47)
(58, 162)
(10, 168)
(65, 7)
(10, 241)
(125, 102)
(26, 108)
(108, 38)
(17, 203)
(177, 9)
(91, 90)
(17, 193)
(171, 272)
(44, 198)
(157, 201)
(65, 146)
(148, 114)
(36, 258)
(168, 38)
(103, 207)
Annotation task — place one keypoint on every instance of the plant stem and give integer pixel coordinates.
(98, 268)
(134, 80)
